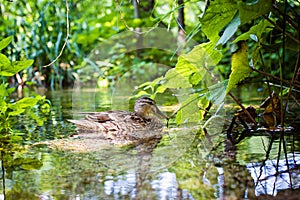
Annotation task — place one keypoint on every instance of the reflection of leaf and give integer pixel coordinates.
(28, 163)
(240, 66)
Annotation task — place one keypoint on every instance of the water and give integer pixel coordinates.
(187, 163)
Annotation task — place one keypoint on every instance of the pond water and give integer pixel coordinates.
(186, 163)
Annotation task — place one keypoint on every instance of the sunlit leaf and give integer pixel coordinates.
(257, 30)
(5, 65)
(214, 55)
(20, 65)
(196, 64)
(5, 42)
(3, 106)
(3, 90)
(174, 79)
(218, 14)
(9, 69)
(189, 110)
(19, 106)
(240, 66)
(27, 102)
(203, 104)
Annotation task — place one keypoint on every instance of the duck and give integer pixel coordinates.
(146, 117)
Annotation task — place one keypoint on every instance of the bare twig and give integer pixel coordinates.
(279, 28)
(275, 77)
(288, 18)
(67, 37)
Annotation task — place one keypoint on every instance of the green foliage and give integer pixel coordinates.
(240, 66)
(245, 29)
(8, 68)
(8, 107)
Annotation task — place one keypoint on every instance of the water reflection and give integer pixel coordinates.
(186, 163)
(273, 176)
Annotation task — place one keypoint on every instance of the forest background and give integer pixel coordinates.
(47, 44)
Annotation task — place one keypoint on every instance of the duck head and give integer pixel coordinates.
(145, 107)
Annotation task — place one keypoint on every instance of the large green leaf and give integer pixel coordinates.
(240, 66)
(196, 64)
(174, 79)
(217, 16)
(250, 12)
(5, 42)
(189, 110)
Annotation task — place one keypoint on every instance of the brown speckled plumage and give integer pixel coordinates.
(123, 121)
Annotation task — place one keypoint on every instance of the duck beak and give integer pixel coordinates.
(159, 113)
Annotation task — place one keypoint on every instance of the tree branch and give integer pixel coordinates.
(67, 37)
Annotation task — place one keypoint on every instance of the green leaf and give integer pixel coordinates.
(173, 79)
(230, 30)
(5, 42)
(196, 64)
(240, 66)
(27, 102)
(5, 65)
(214, 54)
(3, 91)
(19, 106)
(9, 69)
(189, 110)
(216, 17)
(250, 12)
(217, 92)
(3, 107)
(257, 30)
(20, 65)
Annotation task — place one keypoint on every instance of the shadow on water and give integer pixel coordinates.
(184, 163)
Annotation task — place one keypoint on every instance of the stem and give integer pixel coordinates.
(243, 108)
(275, 77)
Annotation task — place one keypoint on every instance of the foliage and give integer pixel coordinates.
(242, 26)
(11, 150)
(10, 109)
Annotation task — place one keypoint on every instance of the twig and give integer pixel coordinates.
(67, 37)
(288, 19)
(295, 77)
(275, 77)
(243, 108)
(279, 28)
